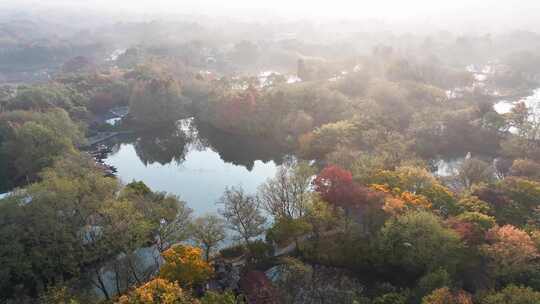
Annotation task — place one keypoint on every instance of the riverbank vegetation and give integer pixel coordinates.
(356, 213)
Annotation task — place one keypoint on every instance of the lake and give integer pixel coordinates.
(195, 161)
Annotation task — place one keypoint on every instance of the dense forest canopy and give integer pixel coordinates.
(407, 162)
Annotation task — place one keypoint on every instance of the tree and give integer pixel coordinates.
(184, 265)
(526, 168)
(322, 217)
(419, 183)
(170, 217)
(36, 147)
(158, 101)
(446, 296)
(43, 98)
(326, 138)
(524, 144)
(287, 194)
(58, 295)
(258, 289)
(361, 204)
(157, 291)
(173, 226)
(431, 281)
(513, 295)
(285, 230)
(472, 226)
(44, 226)
(219, 298)
(335, 185)
(518, 199)
(471, 203)
(509, 250)
(419, 242)
(243, 214)
(33, 140)
(121, 230)
(473, 171)
(208, 231)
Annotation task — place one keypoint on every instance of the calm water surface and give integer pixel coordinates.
(197, 163)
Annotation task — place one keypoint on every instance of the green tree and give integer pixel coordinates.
(419, 242)
(32, 141)
(46, 224)
(219, 298)
(513, 295)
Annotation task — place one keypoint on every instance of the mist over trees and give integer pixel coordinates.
(403, 159)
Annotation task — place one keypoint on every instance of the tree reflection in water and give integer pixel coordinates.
(173, 143)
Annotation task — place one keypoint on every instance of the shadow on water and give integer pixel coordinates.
(240, 150)
(171, 144)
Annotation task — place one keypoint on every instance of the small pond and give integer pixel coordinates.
(194, 161)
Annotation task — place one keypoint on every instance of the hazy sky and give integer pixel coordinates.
(334, 8)
(460, 15)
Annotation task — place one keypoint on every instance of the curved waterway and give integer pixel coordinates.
(195, 162)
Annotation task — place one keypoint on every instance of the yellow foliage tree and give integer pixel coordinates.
(446, 296)
(185, 265)
(158, 291)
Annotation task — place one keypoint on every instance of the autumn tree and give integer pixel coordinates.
(472, 226)
(336, 186)
(446, 296)
(509, 250)
(361, 204)
(418, 183)
(208, 231)
(257, 288)
(157, 291)
(185, 265)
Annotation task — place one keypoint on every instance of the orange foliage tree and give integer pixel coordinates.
(509, 249)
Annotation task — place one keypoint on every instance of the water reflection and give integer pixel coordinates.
(195, 161)
(240, 150)
(162, 146)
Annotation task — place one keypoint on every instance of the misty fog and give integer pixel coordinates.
(272, 152)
